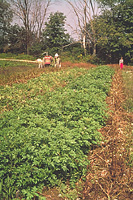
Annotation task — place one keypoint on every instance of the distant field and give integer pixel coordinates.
(13, 71)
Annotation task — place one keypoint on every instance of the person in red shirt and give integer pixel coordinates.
(47, 60)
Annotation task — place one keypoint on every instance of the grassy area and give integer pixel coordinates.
(11, 71)
(128, 105)
(19, 56)
(128, 89)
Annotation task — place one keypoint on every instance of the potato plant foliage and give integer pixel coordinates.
(46, 136)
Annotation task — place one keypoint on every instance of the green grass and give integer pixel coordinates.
(10, 70)
(19, 56)
(128, 90)
(128, 105)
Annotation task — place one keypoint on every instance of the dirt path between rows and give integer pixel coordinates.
(109, 175)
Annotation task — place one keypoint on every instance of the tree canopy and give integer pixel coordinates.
(5, 20)
(114, 29)
(54, 36)
(107, 34)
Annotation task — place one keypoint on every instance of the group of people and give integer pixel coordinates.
(57, 61)
(48, 59)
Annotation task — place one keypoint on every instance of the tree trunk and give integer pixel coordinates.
(94, 49)
(84, 44)
(84, 38)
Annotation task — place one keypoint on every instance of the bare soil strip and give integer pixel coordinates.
(109, 175)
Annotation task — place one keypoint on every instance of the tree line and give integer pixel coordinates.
(104, 28)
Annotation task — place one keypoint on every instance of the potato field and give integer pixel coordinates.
(48, 125)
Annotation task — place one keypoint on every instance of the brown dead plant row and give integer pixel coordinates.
(22, 74)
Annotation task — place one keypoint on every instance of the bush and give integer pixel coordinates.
(93, 60)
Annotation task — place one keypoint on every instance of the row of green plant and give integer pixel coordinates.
(19, 94)
(48, 138)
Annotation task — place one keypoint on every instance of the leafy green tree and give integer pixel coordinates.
(107, 3)
(54, 36)
(114, 29)
(37, 48)
(5, 20)
(17, 39)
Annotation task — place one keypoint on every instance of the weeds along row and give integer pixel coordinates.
(19, 95)
(11, 71)
(52, 123)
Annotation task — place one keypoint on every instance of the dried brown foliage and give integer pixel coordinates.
(21, 74)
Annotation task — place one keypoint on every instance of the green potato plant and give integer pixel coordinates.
(46, 139)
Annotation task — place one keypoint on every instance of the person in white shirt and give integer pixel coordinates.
(57, 60)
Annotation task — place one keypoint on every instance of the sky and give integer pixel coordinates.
(71, 21)
(64, 7)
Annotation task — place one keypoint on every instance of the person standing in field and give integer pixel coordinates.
(47, 60)
(57, 60)
(121, 63)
